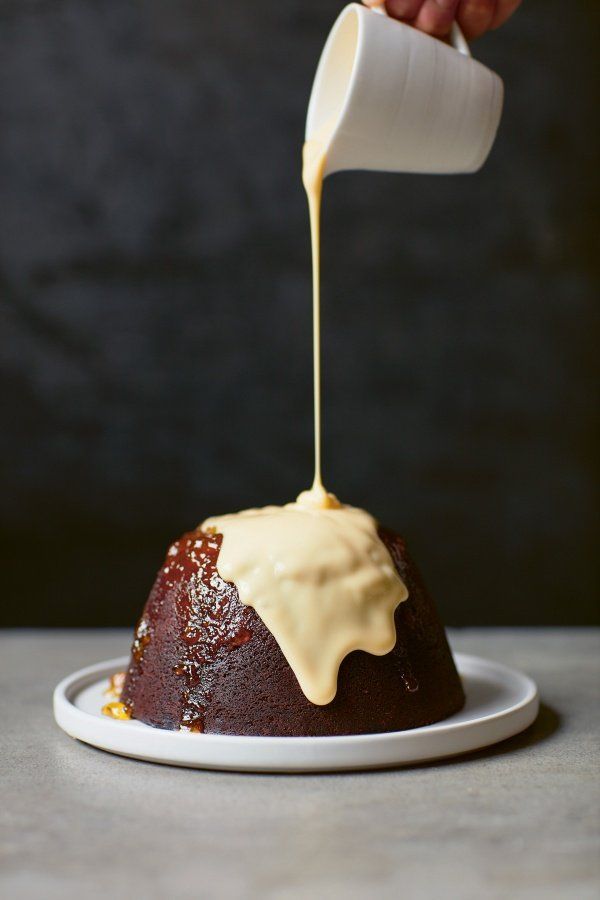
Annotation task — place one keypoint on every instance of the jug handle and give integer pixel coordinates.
(457, 38)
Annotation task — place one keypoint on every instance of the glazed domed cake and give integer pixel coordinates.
(205, 661)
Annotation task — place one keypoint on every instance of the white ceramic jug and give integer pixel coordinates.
(391, 98)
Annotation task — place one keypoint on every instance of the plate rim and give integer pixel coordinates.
(67, 714)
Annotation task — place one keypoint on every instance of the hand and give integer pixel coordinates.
(475, 17)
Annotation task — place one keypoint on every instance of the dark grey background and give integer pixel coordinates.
(155, 333)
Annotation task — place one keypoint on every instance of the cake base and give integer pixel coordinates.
(204, 660)
(500, 702)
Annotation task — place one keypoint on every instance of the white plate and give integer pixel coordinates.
(501, 702)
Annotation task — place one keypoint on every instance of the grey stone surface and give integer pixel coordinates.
(518, 821)
(155, 308)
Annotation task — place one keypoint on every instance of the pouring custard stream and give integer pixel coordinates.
(314, 157)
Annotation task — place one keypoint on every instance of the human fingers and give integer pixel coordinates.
(475, 17)
(399, 9)
(436, 17)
